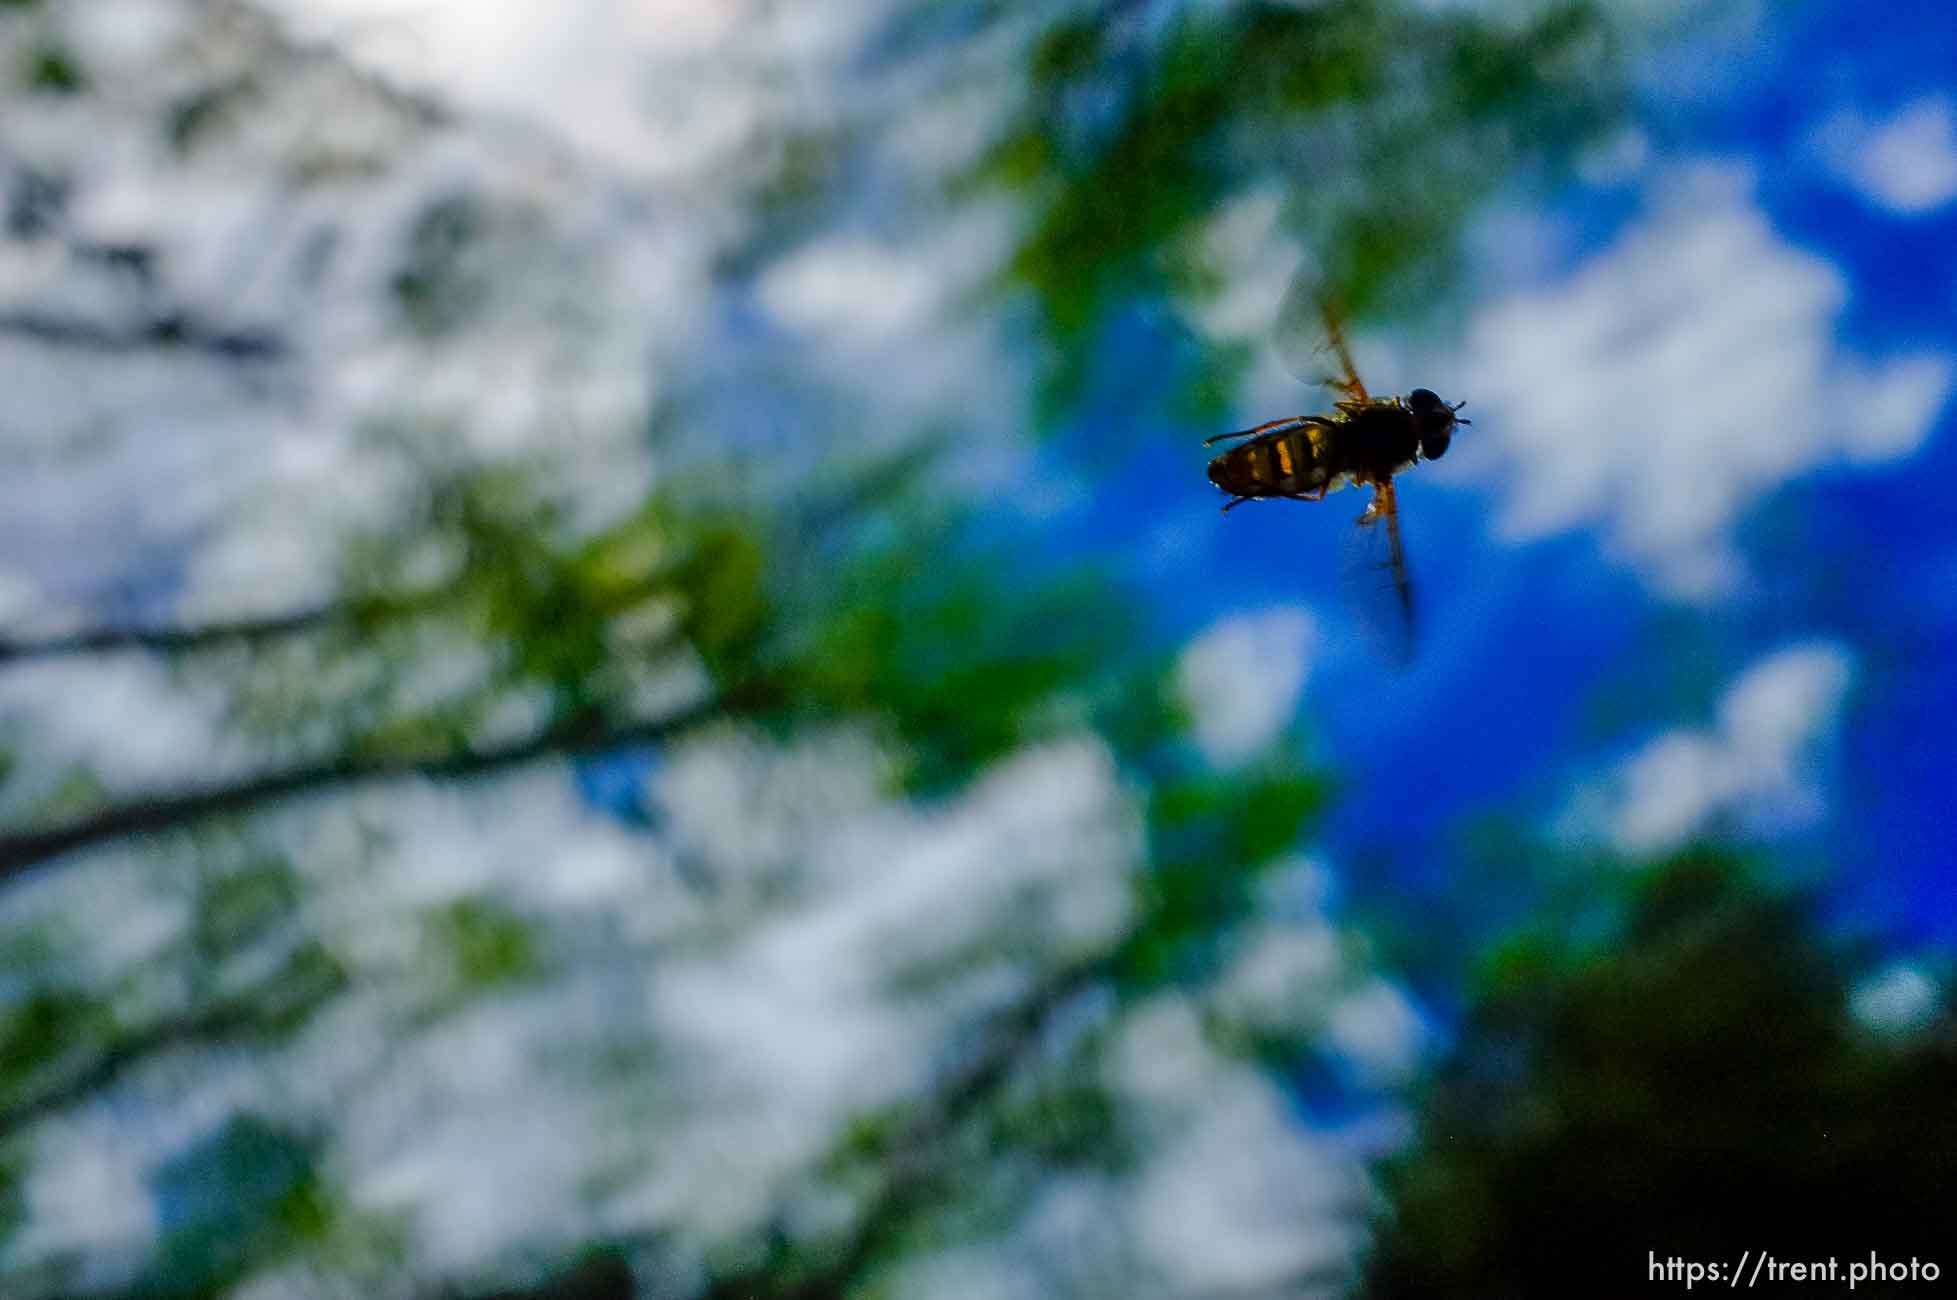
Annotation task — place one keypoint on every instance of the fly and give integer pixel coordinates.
(1366, 441)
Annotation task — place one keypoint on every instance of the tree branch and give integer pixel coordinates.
(169, 330)
(355, 610)
(21, 851)
(167, 640)
(247, 1016)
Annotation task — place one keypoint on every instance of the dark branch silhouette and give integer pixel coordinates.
(169, 640)
(20, 851)
(877, 480)
(244, 1018)
(167, 330)
(353, 610)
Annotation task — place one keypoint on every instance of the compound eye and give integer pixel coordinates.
(1433, 446)
(1434, 417)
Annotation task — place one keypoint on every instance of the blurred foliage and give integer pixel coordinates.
(493, 623)
(227, 1201)
(13, 1197)
(50, 68)
(246, 1192)
(895, 613)
(241, 906)
(1382, 124)
(242, 969)
(1687, 1080)
(42, 1030)
(492, 611)
(486, 944)
(440, 284)
(926, 632)
(204, 109)
(1212, 834)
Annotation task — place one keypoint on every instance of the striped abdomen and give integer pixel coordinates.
(1283, 463)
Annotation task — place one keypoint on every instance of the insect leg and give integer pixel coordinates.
(1266, 427)
(1228, 506)
(1335, 329)
(1386, 502)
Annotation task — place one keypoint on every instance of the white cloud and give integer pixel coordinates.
(88, 1193)
(238, 485)
(835, 1005)
(1901, 999)
(1750, 770)
(1233, 1193)
(1680, 374)
(233, 483)
(663, 91)
(1379, 1031)
(850, 286)
(1243, 242)
(467, 1134)
(123, 718)
(1229, 1195)
(586, 64)
(1906, 164)
(1241, 680)
(1243, 1199)
(1160, 1054)
(1296, 977)
(1282, 976)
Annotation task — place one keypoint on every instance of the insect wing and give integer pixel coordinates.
(1310, 337)
(1376, 578)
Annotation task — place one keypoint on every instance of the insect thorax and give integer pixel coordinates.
(1377, 441)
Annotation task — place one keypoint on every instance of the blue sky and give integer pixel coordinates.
(1586, 613)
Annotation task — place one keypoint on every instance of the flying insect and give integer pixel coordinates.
(1365, 441)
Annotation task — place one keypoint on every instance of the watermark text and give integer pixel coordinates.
(1754, 1267)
